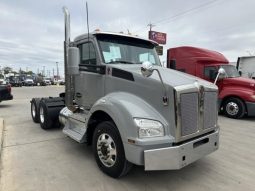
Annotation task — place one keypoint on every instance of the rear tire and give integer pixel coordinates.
(35, 109)
(44, 118)
(109, 151)
(234, 108)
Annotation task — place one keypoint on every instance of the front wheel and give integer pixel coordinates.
(109, 151)
(234, 108)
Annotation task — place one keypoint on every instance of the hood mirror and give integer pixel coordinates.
(222, 71)
(147, 69)
(221, 74)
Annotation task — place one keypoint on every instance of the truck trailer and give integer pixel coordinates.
(246, 66)
(119, 99)
(236, 93)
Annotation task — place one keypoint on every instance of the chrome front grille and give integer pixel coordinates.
(196, 110)
(210, 109)
(189, 113)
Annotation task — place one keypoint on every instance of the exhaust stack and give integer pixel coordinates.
(68, 78)
(67, 26)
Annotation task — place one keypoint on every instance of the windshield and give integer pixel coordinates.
(231, 71)
(125, 50)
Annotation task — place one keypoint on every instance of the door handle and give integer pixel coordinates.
(78, 95)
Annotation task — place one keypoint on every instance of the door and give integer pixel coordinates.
(90, 83)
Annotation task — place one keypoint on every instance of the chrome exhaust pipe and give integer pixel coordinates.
(67, 26)
(69, 88)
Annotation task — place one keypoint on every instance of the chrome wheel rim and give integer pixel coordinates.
(232, 108)
(33, 110)
(106, 150)
(41, 115)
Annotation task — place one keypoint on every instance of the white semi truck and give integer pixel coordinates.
(246, 66)
(119, 99)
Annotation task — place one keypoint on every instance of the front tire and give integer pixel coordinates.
(234, 108)
(109, 151)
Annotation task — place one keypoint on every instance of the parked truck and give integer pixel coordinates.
(236, 94)
(15, 81)
(119, 99)
(246, 66)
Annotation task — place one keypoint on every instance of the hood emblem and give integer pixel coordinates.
(202, 91)
(202, 95)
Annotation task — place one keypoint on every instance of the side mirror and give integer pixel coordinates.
(220, 75)
(147, 69)
(73, 61)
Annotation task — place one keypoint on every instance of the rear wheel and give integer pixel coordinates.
(44, 118)
(234, 108)
(34, 110)
(109, 151)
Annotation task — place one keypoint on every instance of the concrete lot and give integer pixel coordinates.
(35, 159)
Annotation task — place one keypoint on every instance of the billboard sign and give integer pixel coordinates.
(158, 37)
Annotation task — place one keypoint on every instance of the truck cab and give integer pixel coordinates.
(120, 100)
(236, 94)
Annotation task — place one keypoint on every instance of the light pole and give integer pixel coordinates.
(43, 71)
(57, 71)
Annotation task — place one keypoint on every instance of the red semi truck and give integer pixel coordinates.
(236, 94)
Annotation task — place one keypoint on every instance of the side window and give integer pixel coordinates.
(88, 53)
(210, 72)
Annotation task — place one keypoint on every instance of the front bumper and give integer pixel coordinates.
(176, 157)
(250, 108)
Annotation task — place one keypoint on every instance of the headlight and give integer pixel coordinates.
(253, 97)
(149, 128)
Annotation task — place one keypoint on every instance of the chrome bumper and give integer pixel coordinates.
(176, 157)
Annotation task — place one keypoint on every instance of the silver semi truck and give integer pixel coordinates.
(119, 99)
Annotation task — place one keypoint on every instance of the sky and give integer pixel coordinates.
(32, 32)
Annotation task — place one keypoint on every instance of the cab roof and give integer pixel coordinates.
(199, 54)
(95, 33)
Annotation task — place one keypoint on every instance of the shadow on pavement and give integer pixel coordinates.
(4, 106)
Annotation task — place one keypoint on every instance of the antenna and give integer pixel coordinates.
(87, 12)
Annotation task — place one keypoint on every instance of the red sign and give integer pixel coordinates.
(158, 37)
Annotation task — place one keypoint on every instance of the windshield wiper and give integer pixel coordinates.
(120, 61)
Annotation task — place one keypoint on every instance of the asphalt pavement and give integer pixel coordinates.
(33, 159)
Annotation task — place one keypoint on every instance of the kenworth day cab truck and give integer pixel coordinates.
(119, 99)
(236, 93)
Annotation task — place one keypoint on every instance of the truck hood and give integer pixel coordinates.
(240, 81)
(171, 77)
